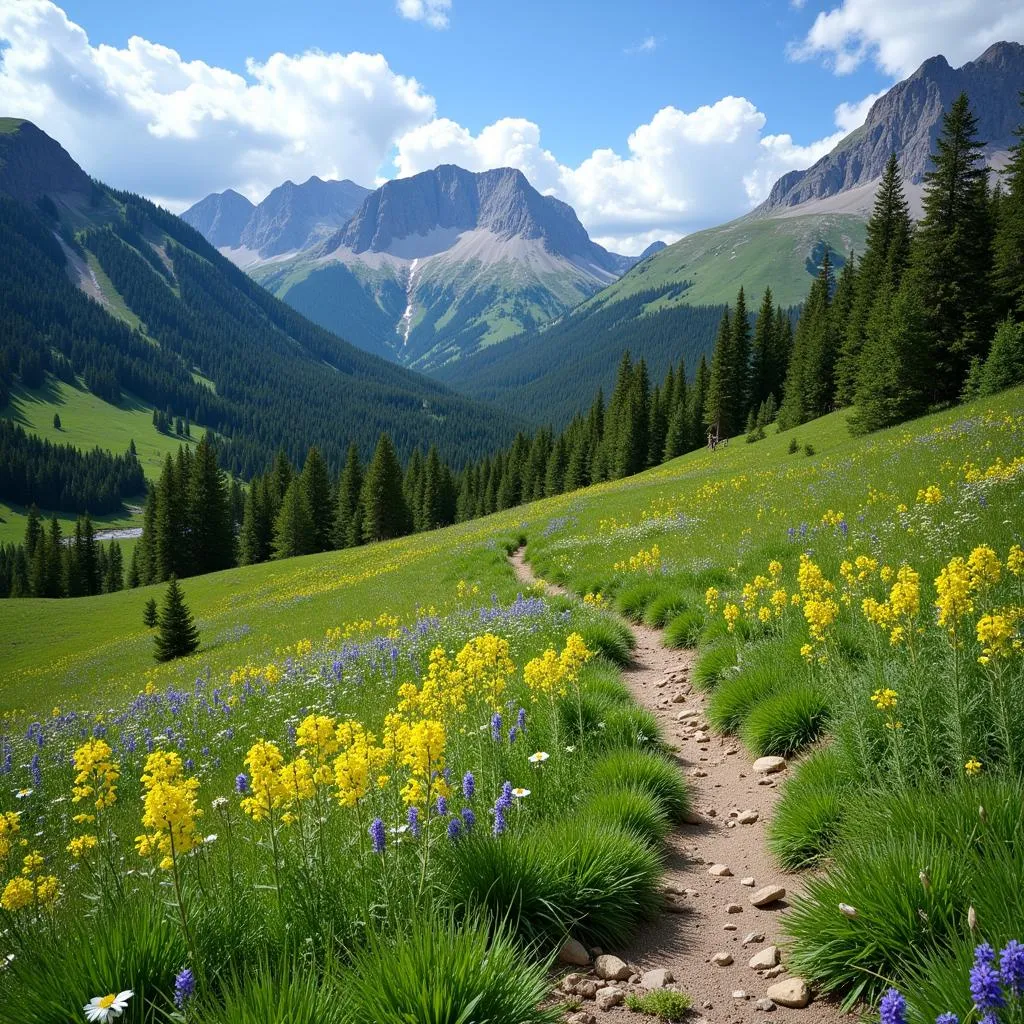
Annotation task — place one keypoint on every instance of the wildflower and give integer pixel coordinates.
(947, 1018)
(1011, 967)
(499, 821)
(105, 1008)
(18, 894)
(731, 614)
(984, 566)
(81, 845)
(520, 793)
(96, 774)
(1015, 560)
(241, 783)
(929, 495)
(468, 785)
(711, 599)
(169, 809)
(512, 734)
(412, 816)
(184, 987)
(893, 1008)
(884, 700)
(377, 835)
(454, 829)
(468, 817)
(496, 727)
(972, 767)
(8, 827)
(441, 806)
(539, 758)
(218, 802)
(521, 720)
(986, 990)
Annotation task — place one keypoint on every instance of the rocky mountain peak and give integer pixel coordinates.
(32, 165)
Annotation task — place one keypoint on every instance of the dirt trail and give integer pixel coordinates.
(704, 919)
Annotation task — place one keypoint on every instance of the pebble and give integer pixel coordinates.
(769, 765)
(748, 881)
(606, 998)
(767, 894)
(692, 818)
(611, 968)
(753, 937)
(793, 992)
(740, 994)
(658, 978)
(734, 908)
(774, 972)
(764, 959)
(722, 958)
(698, 773)
(581, 1017)
(747, 817)
(719, 871)
(764, 1004)
(573, 952)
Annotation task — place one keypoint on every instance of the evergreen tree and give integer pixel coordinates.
(699, 402)
(171, 547)
(54, 560)
(113, 577)
(33, 531)
(385, 514)
(316, 485)
(1004, 367)
(348, 521)
(293, 528)
(884, 262)
(134, 571)
(56, 421)
(741, 357)
(1008, 270)
(281, 477)
(88, 558)
(720, 409)
(256, 535)
(176, 632)
(765, 376)
(554, 472)
(146, 546)
(951, 254)
(211, 533)
(149, 613)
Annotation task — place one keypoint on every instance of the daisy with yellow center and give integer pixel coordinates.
(106, 1008)
(539, 758)
(519, 793)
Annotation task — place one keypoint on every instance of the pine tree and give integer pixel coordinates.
(1004, 367)
(385, 514)
(431, 508)
(134, 578)
(293, 528)
(149, 613)
(719, 407)
(54, 560)
(170, 550)
(256, 535)
(113, 577)
(146, 546)
(741, 357)
(765, 378)
(280, 477)
(33, 531)
(884, 262)
(316, 485)
(951, 254)
(699, 401)
(176, 632)
(56, 421)
(554, 472)
(348, 520)
(211, 534)
(1008, 269)
(88, 558)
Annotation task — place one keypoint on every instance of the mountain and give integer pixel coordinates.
(428, 267)
(291, 218)
(780, 244)
(110, 292)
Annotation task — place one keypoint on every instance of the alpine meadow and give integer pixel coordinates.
(511, 581)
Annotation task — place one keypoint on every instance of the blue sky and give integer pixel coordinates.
(652, 118)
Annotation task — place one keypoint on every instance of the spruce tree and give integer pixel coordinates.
(885, 259)
(113, 577)
(88, 557)
(176, 632)
(951, 254)
(54, 562)
(33, 531)
(719, 407)
(765, 378)
(211, 533)
(133, 579)
(699, 401)
(554, 472)
(385, 514)
(741, 358)
(1008, 269)
(348, 520)
(171, 523)
(293, 528)
(316, 485)
(1004, 367)
(149, 613)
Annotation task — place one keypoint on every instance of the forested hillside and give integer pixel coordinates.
(183, 310)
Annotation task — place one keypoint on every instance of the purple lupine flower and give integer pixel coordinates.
(521, 720)
(468, 817)
(241, 783)
(496, 727)
(986, 990)
(468, 785)
(184, 987)
(499, 821)
(376, 831)
(1011, 967)
(454, 829)
(413, 818)
(893, 1008)
(947, 1018)
(512, 734)
(441, 806)
(35, 770)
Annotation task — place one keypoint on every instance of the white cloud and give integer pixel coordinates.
(146, 119)
(433, 12)
(898, 35)
(682, 171)
(645, 46)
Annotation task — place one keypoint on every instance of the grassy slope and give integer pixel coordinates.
(750, 252)
(743, 496)
(86, 422)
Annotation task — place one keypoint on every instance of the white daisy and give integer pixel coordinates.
(519, 793)
(106, 1008)
(539, 758)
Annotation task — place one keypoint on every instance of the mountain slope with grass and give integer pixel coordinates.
(102, 289)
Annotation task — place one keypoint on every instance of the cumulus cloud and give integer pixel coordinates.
(681, 170)
(899, 36)
(433, 12)
(646, 45)
(146, 119)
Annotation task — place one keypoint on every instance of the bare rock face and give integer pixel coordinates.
(611, 968)
(32, 164)
(907, 120)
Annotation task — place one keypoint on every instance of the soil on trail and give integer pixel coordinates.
(708, 914)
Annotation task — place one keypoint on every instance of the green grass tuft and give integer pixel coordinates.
(610, 637)
(661, 1003)
(684, 630)
(645, 770)
(632, 599)
(631, 808)
(714, 663)
(665, 606)
(786, 722)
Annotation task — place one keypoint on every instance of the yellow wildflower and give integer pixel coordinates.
(972, 767)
